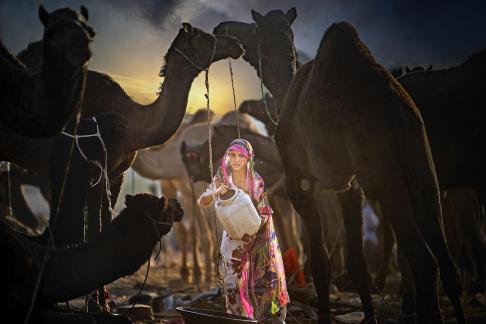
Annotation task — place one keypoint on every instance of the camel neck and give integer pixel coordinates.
(157, 122)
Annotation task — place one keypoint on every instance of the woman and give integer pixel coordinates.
(252, 268)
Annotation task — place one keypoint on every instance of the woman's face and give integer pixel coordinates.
(237, 160)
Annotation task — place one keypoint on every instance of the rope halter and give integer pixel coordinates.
(192, 62)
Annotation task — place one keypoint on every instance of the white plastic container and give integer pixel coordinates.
(237, 214)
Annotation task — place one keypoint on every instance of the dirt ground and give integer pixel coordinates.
(164, 290)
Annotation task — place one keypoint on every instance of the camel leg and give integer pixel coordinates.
(387, 241)
(428, 218)
(351, 204)
(170, 191)
(182, 238)
(407, 289)
(468, 220)
(210, 245)
(306, 205)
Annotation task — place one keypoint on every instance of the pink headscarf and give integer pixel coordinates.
(244, 147)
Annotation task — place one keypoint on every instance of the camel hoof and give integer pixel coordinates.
(197, 272)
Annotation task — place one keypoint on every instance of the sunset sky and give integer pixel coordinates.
(133, 36)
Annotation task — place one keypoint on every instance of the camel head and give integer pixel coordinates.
(197, 47)
(195, 162)
(164, 212)
(273, 34)
(67, 36)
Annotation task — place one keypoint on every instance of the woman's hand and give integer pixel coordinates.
(221, 190)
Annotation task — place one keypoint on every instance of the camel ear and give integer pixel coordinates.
(291, 15)
(187, 28)
(257, 17)
(43, 15)
(84, 12)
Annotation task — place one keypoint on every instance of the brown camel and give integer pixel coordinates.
(327, 139)
(119, 250)
(38, 104)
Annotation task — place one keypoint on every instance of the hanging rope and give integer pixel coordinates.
(9, 210)
(233, 88)
(261, 86)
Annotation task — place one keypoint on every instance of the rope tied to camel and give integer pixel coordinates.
(103, 169)
(210, 147)
(233, 88)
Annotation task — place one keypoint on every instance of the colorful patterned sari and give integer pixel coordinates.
(252, 268)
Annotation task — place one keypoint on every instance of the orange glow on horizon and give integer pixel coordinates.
(143, 87)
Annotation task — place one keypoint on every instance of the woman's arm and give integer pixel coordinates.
(207, 197)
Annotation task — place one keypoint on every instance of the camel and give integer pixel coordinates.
(119, 250)
(39, 104)
(448, 101)
(191, 52)
(164, 163)
(246, 33)
(158, 123)
(325, 141)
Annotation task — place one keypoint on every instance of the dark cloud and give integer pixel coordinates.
(158, 13)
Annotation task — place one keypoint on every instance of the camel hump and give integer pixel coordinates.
(201, 115)
(341, 49)
(340, 30)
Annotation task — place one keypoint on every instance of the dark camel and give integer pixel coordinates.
(38, 104)
(448, 100)
(191, 51)
(247, 33)
(327, 139)
(119, 250)
(147, 125)
(274, 35)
